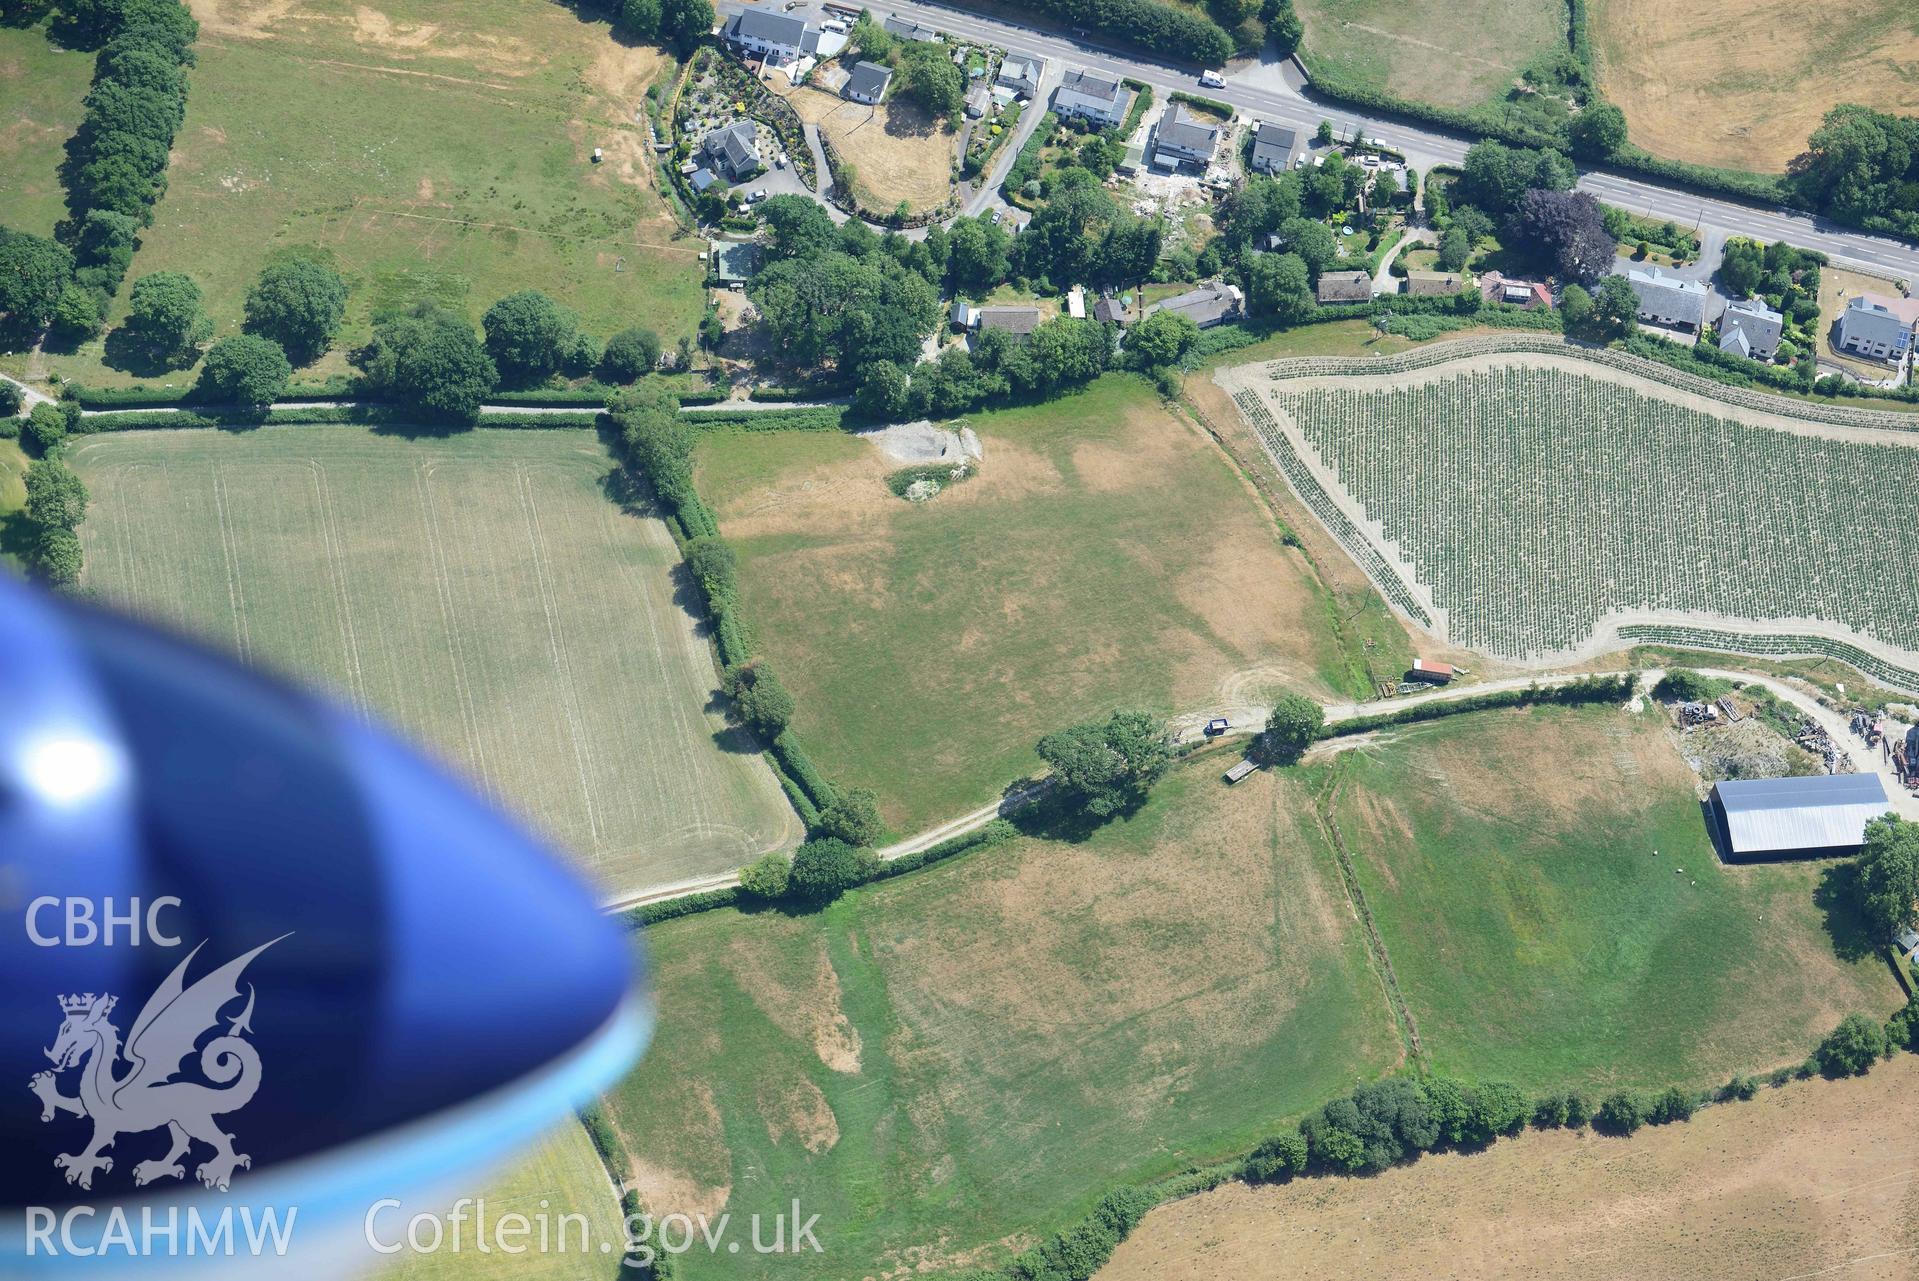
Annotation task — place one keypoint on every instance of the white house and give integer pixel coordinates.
(774, 38)
(1877, 327)
(1089, 97)
(868, 82)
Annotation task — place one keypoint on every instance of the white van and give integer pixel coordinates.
(1212, 80)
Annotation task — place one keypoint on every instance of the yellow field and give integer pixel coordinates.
(1743, 83)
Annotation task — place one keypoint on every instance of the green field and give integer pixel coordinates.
(1556, 915)
(40, 91)
(1443, 52)
(1105, 555)
(15, 529)
(427, 151)
(947, 1064)
(481, 592)
(561, 1176)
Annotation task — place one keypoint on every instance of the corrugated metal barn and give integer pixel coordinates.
(1794, 817)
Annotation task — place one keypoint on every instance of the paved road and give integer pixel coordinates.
(1267, 92)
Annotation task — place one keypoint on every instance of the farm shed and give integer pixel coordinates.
(1825, 815)
(1240, 771)
(1425, 669)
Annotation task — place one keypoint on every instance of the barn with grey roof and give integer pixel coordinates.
(1821, 816)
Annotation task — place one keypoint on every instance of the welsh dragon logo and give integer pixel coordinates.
(145, 1096)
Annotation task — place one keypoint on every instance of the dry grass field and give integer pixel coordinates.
(946, 1065)
(1743, 83)
(897, 151)
(1451, 53)
(481, 592)
(562, 1175)
(1819, 1179)
(1104, 556)
(428, 151)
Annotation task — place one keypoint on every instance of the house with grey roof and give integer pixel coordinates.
(868, 82)
(734, 262)
(1019, 321)
(774, 38)
(909, 29)
(1750, 328)
(1019, 74)
(1667, 300)
(733, 149)
(1110, 311)
(1877, 327)
(1907, 941)
(1434, 284)
(1085, 96)
(1183, 138)
(1273, 148)
(1345, 286)
(1213, 303)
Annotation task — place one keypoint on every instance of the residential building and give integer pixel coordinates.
(867, 83)
(907, 29)
(1020, 74)
(1878, 327)
(702, 180)
(734, 262)
(1750, 328)
(1513, 292)
(1211, 304)
(1825, 814)
(1184, 139)
(1017, 321)
(776, 39)
(733, 149)
(1273, 148)
(1345, 286)
(979, 100)
(1110, 311)
(1669, 301)
(1088, 97)
(1434, 284)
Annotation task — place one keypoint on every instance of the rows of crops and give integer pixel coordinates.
(1321, 505)
(1532, 501)
(1774, 645)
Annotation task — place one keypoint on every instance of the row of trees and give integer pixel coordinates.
(56, 498)
(1862, 165)
(116, 162)
(678, 23)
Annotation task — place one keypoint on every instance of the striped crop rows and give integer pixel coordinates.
(1532, 501)
(1774, 645)
(1317, 501)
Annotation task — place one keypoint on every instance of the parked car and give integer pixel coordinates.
(759, 195)
(1217, 726)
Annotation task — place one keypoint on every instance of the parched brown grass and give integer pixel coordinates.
(897, 151)
(1743, 83)
(1452, 53)
(1819, 1179)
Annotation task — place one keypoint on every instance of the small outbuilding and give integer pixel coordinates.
(1907, 941)
(1822, 816)
(1240, 771)
(1428, 672)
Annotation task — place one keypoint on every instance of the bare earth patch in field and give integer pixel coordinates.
(1743, 83)
(897, 151)
(1820, 1179)
(481, 593)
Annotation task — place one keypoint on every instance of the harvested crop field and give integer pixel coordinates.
(429, 152)
(897, 151)
(41, 88)
(1449, 54)
(1105, 555)
(1527, 504)
(947, 1065)
(560, 1177)
(1819, 1179)
(1552, 905)
(1743, 83)
(482, 592)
